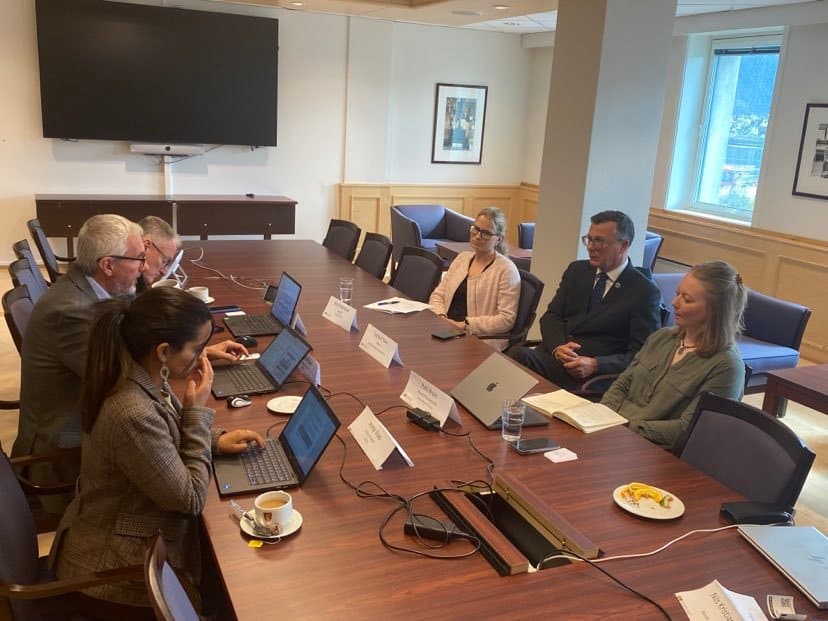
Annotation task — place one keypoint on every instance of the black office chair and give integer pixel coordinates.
(342, 237)
(374, 254)
(170, 600)
(17, 309)
(748, 450)
(418, 273)
(22, 250)
(526, 235)
(50, 259)
(21, 273)
(531, 289)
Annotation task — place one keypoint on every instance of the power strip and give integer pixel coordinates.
(423, 419)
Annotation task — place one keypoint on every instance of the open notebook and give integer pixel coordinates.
(577, 411)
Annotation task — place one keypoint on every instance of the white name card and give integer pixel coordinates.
(310, 369)
(422, 394)
(381, 348)
(375, 440)
(341, 314)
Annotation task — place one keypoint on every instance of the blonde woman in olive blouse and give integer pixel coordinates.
(659, 391)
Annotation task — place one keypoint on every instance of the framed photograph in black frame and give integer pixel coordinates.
(459, 118)
(811, 176)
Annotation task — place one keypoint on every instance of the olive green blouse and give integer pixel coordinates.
(659, 398)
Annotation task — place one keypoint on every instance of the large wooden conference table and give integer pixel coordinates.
(336, 568)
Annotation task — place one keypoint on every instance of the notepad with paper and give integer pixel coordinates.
(577, 411)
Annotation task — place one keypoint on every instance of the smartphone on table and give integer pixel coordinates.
(534, 445)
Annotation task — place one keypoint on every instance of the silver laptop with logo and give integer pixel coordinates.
(799, 552)
(483, 391)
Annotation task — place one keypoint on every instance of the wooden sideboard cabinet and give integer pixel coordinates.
(61, 215)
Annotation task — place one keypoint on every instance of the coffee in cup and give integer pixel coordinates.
(202, 293)
(273, 511)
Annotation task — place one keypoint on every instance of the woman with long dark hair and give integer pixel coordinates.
(146, 455)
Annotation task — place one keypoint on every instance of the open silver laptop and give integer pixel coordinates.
(799, 552)
(483, 391)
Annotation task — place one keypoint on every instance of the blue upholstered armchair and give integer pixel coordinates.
(773, 330)
(422, 226)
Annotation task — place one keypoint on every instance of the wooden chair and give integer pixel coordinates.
(50, 259)
(418, 273)
(374, 254)
(342, 238)
(28, 591)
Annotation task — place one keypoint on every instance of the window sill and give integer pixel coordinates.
(712, 216)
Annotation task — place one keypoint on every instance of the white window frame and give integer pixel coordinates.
(735, 43)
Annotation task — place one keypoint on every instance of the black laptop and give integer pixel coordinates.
(281, 312)
(267, 373)
(285, 461)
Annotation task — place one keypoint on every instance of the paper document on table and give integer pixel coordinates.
(576, 411)
(714, 602)
(397, 306)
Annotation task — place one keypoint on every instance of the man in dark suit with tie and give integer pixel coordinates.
(602, 313)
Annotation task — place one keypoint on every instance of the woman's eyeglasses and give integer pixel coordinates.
(483, 233)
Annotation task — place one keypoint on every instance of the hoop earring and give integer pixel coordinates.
(165, 376)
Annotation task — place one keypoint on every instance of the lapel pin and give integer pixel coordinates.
(618, 285)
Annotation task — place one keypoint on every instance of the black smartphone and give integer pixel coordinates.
(227, 308)
(446, 334)
(534, 445)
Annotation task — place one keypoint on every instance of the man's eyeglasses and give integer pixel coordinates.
(165, 260)
(596, 242)
(142, 258)
(484, 234)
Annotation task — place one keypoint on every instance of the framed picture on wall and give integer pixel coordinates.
(811, 177)
(459, 116)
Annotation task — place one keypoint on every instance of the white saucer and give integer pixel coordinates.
(209, 300)
(283, 405)
(292, 526)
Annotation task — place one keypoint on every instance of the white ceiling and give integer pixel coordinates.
(514, 16)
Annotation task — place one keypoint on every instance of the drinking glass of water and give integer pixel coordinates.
(346, 289)
(512, 420)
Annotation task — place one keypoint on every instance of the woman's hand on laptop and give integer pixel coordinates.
(236, 441)
(226, 350)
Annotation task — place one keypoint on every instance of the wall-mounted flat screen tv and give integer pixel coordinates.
(118, 71)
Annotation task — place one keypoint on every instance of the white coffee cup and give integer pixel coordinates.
(169, 282)
(273, 511)
(202, 293)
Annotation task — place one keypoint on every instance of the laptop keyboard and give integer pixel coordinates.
(266, 464)
(260, 323)
(248, 378)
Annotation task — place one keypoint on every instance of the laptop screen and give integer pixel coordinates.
(283, 355)
(308, 432)
(287, 296)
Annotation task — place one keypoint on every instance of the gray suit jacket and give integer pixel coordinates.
(53, 363)
(145, 468)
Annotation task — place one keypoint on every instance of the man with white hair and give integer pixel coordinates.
(161, 243)
(110, 258)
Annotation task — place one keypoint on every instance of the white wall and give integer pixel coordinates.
(537, 101)
(356, 103)
(777, 208)
(425, 55)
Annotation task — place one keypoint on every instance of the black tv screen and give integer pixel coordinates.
(116, 71)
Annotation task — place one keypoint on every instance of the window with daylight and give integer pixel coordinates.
(735, 118)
